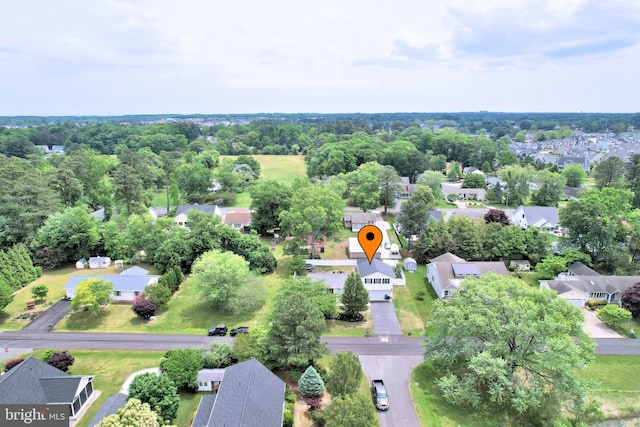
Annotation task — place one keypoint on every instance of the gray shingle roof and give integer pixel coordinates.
(35, 382)
(376, 266)
(332, 280)
(120, 282)
(210, 209)
(609, 284)
(250, 396)
(109, 407)
(211, 374)
(204, 411)
(538, 215)
(465, 269)
(579, 269)
(135, 271)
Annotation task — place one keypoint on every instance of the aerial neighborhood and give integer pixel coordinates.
(211, 270)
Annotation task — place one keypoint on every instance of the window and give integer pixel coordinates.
(386, 281)
(368, 281)
(117, 293)
(598, 295)
(136, 293)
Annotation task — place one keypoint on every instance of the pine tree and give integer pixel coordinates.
(310, 383)
(354, 295)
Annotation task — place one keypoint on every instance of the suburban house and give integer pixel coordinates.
(126, 286)
(34, 382)
(334, 281)
(579, 269)
(520, 265)
(250, 395)
(405, 189)
(99, 262)
(410, 264)
(356, 220)
(356, 252)
(464, 193)
(239, 220)
(565, 161)
(320, 245)
(209, 378)
(447, 271)
(183, 211)
(580, 289)
(82, 263)
(544, 218)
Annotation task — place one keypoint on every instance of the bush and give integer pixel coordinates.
(12, 364)
(614, 315)
(158, 293)
(61, 360)
(225, 198)
(421, 295)
(294, 375)
(594, 303)
(144, 308)
(289, 395)
(287, 419)
(318, 418)
(217, 356)
(314, 404)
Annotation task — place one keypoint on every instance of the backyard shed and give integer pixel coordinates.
(410, 264)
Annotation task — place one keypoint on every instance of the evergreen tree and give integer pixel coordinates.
(345, 374)
(310, 383)
(354, 296)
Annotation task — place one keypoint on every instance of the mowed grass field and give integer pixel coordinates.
(279, 168)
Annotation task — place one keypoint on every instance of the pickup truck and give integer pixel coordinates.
(379, 394)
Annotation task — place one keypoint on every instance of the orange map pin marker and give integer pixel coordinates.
(370, 238)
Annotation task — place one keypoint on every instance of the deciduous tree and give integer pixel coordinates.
(159, 391)
(389, 183)
(497, 215)
(630, 300)
(344, 374)
(352, 410)
(614, 315)
(414, 213)
(182, 366)
(268, 199)
(61, 360)
(609, 172)
(433, 180)
(316, 292)
(93, 294)
(145, 308)
(502, 344)
(474, 180)
(39, 291)
(133, 414)
(575, 175)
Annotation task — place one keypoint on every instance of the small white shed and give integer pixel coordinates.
(99, 262)
(410, 264)
(81, 264)
(209, 378)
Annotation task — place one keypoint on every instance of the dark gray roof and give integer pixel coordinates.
(435, 215)
(204, 411)
(609, 284)
(250, 396)
(210, 209)
(538, 215)
(35, 382)
(332, 280)
(376, 266)
(465, 269)
(448, 257)
(579, 269)
(109, 407)
(360, 218)
(211, 374)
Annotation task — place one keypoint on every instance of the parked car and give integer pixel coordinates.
(218, 330)
(309, 267)
(387, 245)
(239, 330)
(379, 394)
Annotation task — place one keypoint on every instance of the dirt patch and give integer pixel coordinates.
(301, 416)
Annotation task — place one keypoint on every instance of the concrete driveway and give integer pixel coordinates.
(51, 316)
(595, 327)
(395, 371)
(385, 321)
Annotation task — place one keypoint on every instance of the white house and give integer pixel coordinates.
(209, 378)
(446, 272)
(356, 251)
(544, 218)
(356, 220)
(183, 211)
(239, 220)
(580, 289)
(126, 286)
(99, 262)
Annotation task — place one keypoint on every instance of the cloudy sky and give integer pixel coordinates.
(111, 57)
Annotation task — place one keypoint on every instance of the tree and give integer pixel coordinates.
(345, 374)
(61, 360)
(294, 336)
(434, 240)
(315, 212)
(365, 183)
(551, 266)
(495, 194)
(133, 414)
(609, 172)
(158, 293)
(485, 167)
(632, 176)
(10, 364)
(630, 300)
(145, 308)
(352, 410)
(268, 199)
(414, 213)
(297, 265)
(614, 315)
(473, 180)
(39, 291)
(173, 191)
(159, 392)
(93, 294)
(502, 344)
(433, 180)
(310, 383)
(389, 181)
(454, 172)
(354, 296)
(6, 295)
(218, 355)
(575, 175)
(72, 234)
(182, 366)
(219, 276)
(497, 215)
(316, 292)
(517, 180)
(127, 187)
(551, 185)
(506, 157)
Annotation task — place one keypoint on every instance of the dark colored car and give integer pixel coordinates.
(218, 330)
(239, 330)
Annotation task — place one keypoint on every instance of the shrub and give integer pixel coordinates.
(158, 293)
(39, 291)
(12, 364)
(145, 308)
(318, 418)
(287, 419)
(614, 315)
(314, 404)
(310, 383)
(294, 375)
(421, 295)
(61, 360)
(594, 303)
(217, 356)
(289, 395)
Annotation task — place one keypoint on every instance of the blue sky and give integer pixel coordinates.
(109, 57)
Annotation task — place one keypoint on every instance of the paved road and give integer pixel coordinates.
(385, 321)
(395, 371)
(51, 316)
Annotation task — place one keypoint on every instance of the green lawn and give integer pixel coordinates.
(412, 313)
(443, 204)
(531, 278)
(280, 168)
